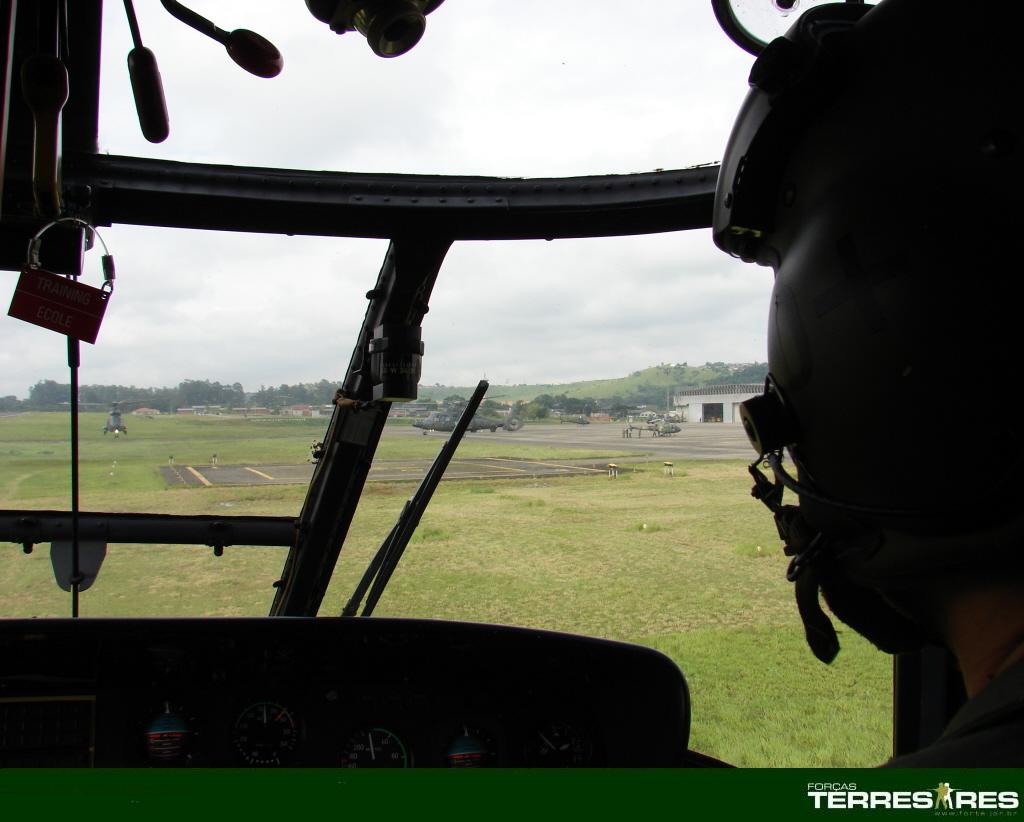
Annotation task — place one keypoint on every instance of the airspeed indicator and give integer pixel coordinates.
(374, 748)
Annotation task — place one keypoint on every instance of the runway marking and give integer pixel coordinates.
(198, 476)
(553, 465)
(489, 465)
(258, 473)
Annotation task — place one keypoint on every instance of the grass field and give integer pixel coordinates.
(687, 564)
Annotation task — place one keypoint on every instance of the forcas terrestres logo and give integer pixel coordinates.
(942, 798)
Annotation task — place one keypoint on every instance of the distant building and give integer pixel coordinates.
(714, 403)
(416, 408)
(145, 412)
(299, 410)
(201, 410)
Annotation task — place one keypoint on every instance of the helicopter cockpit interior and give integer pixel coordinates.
(312, 683)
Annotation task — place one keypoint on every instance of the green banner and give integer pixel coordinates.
(526, 795)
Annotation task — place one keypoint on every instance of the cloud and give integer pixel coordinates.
(586, 309)
(531, 88)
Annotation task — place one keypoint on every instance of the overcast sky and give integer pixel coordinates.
(520, 88)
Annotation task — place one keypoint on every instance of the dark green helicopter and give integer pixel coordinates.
(115, 416)
(446, 418)
(658, 428)
(115, 424)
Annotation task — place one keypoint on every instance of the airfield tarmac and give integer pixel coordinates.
(695, 441)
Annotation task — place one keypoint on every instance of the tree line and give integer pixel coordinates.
(49, 395)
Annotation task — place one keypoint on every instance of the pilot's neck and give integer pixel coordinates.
(985, 630)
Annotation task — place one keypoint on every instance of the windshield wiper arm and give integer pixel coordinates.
(384, 562)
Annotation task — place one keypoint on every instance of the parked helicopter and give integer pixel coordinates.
(447, 417)
(658, 428)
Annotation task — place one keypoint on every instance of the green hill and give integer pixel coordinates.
(641, 387)
(647, 387)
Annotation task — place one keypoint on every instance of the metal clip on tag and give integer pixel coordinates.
(109, 272)
(58, 303)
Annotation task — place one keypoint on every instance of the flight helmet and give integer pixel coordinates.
(875, 166)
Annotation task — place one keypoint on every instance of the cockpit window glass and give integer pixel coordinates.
(616, 526)
(212, 337)
(219, 352)
(521, 89)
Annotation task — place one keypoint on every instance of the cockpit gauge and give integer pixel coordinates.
(558, 745)
(265, 734)
(167, 736)
(471, 747)
(374, 748)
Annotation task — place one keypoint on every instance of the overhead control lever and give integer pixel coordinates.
(44, 85)
(147, 87)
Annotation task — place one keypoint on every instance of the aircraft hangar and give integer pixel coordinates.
(714, 403)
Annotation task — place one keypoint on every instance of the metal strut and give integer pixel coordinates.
(399, 299)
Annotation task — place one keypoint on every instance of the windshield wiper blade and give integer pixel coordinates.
(384, 562)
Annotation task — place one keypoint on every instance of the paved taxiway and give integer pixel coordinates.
(695, 441)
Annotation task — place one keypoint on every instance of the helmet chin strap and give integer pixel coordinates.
(804, 545)
(818, 629)
(813, 569)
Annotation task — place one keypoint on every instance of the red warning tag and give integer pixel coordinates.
(59, 304)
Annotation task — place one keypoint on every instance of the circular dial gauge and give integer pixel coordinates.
(374, 748)
(558, 745)
(265, 734)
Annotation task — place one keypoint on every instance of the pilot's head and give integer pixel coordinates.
(876, 167)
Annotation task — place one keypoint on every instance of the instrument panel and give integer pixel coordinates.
(331, 692)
